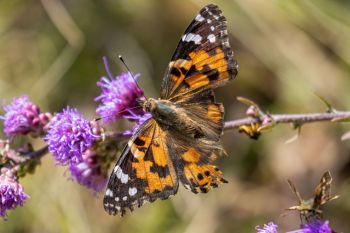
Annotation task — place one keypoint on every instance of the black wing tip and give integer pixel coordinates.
(210, 7)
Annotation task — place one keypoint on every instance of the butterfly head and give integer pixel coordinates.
(149, 105)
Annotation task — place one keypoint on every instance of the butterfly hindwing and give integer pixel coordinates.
(143, 173)
(203, 58)
(206, 112)
(195, 170)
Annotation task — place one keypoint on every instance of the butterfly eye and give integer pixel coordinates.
(149, 105)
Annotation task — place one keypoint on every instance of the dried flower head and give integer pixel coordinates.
(23, 117)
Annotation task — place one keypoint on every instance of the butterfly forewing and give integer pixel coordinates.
(322, 191)
(203, 58)
(144, 172)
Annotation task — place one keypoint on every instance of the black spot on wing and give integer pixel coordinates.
(175, 71)
(139, 142)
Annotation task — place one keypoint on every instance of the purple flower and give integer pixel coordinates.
(89, 172)
(119, 97)
(268, 228)
(11, 194)
(316, 226)
(69, 136)
(23, 117)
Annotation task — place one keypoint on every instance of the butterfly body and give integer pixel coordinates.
(171, 117)
(307, 207)
(181, 140)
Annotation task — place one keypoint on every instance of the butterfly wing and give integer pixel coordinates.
(196, 174)
(203, 58)
(144, 172)
(323, 189)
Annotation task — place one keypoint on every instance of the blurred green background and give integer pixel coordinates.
(52, 51)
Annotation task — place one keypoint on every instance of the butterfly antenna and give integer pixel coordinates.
(130, 73)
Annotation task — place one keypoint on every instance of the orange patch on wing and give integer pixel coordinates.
(157, 183)
(142, 168)
(197, 81)
(199, 57)
(191, 156)
(216, 61)
(215, 112)
(160, 156)
(159, 150)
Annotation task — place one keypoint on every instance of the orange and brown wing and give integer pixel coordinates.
(144, 172)
(203, 58)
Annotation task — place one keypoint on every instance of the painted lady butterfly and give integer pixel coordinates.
(181, 140)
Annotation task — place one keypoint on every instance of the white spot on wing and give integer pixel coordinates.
(121, 175)
(118, 171)
(132, 191)
(124, 178)
(125, 198)
(211, 38)
(117, 207)
(212, 28)
(199, 18)
(192, 37)
(116, 199)
(208, 20)
(109, 193)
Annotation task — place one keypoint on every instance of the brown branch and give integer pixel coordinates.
(291, 118)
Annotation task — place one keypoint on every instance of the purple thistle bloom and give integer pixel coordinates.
(316, 226)
(23, 117)
(268, 228)
(89, 172)
(119, 97)
(11, 194)
(69, 136)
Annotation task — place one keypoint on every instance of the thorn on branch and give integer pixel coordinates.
(330, 108)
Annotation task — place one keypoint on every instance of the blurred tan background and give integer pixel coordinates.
(52, 51)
